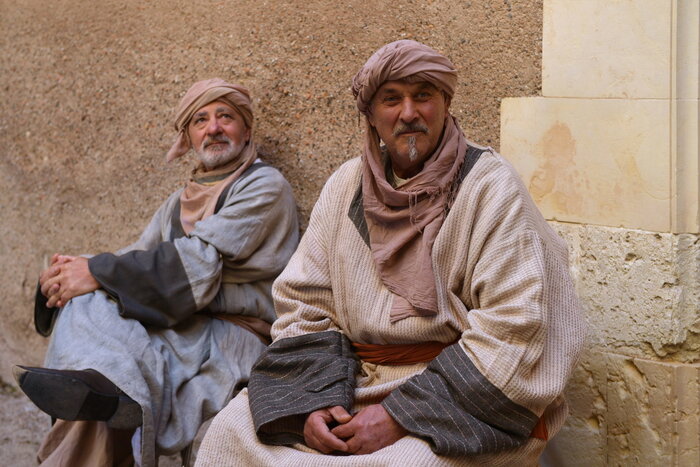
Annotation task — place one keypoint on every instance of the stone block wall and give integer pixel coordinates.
(610, 154)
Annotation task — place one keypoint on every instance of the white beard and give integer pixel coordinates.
(212, 158)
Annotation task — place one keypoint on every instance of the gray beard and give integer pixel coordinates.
(412, 150)
(212, 160)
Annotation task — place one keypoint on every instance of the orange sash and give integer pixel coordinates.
(399, 354)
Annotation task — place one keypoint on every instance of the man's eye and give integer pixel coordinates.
(227, 116)
(391, 99)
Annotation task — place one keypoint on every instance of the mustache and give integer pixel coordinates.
(215, 139)
(409, 128)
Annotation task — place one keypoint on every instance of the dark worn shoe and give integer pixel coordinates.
(78, 395)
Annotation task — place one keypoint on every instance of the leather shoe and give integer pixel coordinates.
(78, 395)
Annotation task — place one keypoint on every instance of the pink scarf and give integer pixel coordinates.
(403, 222)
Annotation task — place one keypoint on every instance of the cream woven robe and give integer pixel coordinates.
(504, 290)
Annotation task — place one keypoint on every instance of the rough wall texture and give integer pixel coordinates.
(640, 290)
(87, 92)
(634, 398)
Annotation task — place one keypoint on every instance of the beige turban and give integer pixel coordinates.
(200, 94)
(404, 221)
(398, 60)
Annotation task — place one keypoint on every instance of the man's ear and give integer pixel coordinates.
(247, 134)
(370, 118)
(448, 100)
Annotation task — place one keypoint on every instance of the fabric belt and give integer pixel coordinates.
(409, 354)
(257, 326)
(399, 354)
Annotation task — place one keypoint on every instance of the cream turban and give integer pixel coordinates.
(200, 94)
(398, 60)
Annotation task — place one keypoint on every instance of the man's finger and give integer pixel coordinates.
(54, 295)
(314, 443)
(318, 436)
(330, 441)
(354, 445)
(339, 414)
(344, 431)
(48, 273)
(51, 302)
(53, 290)
(48, 284)
(319, 429)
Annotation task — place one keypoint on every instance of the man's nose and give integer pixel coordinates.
(408, 111)
(213, 127)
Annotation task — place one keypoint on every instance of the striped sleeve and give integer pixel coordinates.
(294, 377)
(453, 406)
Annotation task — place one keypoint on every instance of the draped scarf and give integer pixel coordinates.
(403, 222)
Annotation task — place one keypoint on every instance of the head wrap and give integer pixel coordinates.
(403, 222)
(200, 94)
(201, 193)
(399, 60)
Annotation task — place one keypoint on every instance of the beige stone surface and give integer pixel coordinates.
(629, 411)
(685, 161)
(582, 442)
(607, 48)
(599, 161)
(640, 291)
(686, 45)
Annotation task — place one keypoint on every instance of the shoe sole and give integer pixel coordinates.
(68, 398)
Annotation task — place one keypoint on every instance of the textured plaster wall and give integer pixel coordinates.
(87, 92)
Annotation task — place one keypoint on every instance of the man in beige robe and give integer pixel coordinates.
(151, 341)
(428, 316)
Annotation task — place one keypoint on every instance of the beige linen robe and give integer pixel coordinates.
(504, 291)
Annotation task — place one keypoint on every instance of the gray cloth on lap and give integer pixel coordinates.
(180, 376)
(181, 367)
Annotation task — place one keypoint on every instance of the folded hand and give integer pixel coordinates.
(67, 277)
(370, 430)
(317, 434)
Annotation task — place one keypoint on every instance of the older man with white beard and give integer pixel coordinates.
(428, 317)
(154, 339)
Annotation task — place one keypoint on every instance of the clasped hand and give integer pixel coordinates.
(369, 430)
(67, 277)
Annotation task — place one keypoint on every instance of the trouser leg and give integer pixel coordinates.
(85, 443)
